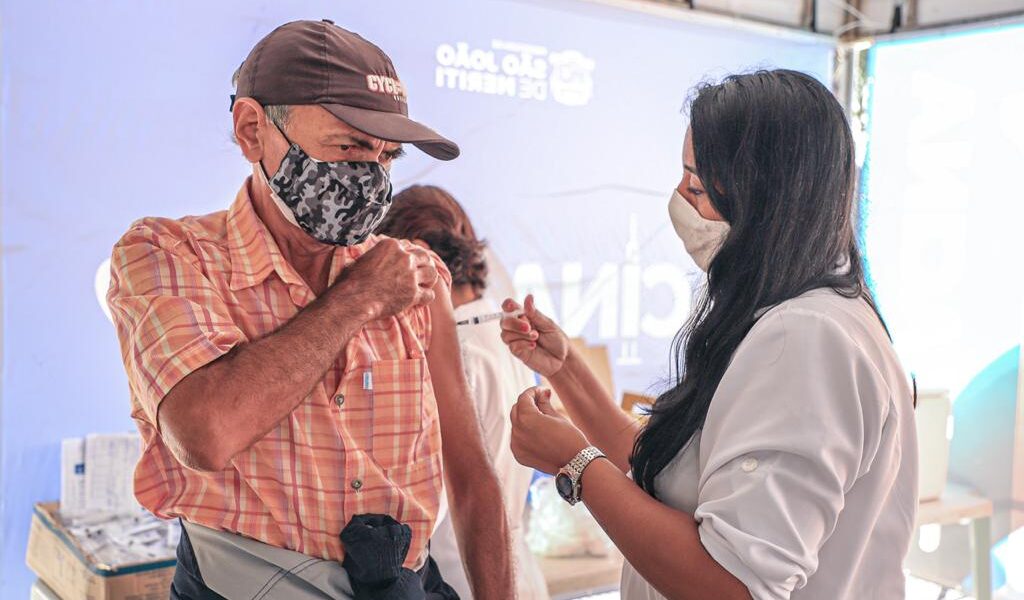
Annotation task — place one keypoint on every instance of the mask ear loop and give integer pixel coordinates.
(258, 165)
(286, 138)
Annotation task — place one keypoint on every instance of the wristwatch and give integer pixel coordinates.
(567, 482)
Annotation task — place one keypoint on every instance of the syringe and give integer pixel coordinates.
(490, 317)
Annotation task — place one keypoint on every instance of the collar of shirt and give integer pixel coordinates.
(255, 255)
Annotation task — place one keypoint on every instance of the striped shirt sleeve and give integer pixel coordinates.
(169, 317)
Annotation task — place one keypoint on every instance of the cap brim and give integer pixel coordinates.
(395, 128)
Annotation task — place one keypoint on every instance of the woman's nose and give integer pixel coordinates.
(684, 184)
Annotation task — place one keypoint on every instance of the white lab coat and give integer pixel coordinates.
(496, 379)
(803, 481)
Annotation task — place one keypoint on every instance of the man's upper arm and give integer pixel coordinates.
(456, 409)
(170, 319)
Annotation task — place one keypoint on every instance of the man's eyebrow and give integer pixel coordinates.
(333, 139)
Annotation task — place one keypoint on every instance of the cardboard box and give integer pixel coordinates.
(596, 357)
(633, 402)
(59, 562)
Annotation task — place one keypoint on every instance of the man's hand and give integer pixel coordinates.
(534, 338)
(389, 279)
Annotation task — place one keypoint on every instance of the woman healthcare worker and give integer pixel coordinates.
(782, 463)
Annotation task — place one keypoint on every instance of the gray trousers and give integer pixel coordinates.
(213, 565)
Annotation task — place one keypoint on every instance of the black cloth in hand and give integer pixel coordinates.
(375, 548)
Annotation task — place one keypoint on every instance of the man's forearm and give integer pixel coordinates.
(593, 410)
(226, 406)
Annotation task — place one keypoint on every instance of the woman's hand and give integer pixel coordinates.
(534, 338)
(542, 438)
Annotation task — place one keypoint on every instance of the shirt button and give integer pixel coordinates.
(749, 465)
(357, 483)
(339, 399)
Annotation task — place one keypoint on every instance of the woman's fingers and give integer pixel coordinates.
(510, 337)
(521, 349)
(515, 325)
(527, 402)
(522, 322)
(519, 324)
(537, 318)
(543, 402)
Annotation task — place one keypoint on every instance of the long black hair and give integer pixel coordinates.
(776, 157)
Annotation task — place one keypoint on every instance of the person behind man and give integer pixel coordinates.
(292, 374)
(431, 217)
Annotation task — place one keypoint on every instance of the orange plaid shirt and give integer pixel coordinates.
(366, 440)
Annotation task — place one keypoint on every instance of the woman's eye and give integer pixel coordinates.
(695, 191)
(345, 148)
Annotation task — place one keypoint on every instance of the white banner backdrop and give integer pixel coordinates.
(568, 115)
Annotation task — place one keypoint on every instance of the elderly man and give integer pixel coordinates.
(293, 376)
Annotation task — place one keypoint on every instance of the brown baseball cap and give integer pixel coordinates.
(317, 62)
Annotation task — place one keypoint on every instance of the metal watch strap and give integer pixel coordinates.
(576, 467)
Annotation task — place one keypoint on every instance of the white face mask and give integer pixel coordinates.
(702, 237)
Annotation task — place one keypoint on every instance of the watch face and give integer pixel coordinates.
(564, 486)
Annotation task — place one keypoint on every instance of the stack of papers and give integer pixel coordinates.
(119, 540)
(96, 474)
(98, 506)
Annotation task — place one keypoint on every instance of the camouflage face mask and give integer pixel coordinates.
(337, 203)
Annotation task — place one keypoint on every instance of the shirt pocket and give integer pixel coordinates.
(396, 400)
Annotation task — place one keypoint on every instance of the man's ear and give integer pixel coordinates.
(249, 118)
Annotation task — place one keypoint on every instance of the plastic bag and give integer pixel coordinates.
(557, 529)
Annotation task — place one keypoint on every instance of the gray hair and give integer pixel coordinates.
(277, 113)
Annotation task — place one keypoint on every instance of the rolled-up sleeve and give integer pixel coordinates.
(420, 315)
(794, 423)
(169, 316)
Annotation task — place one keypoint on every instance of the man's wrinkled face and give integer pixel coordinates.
(324, 137)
